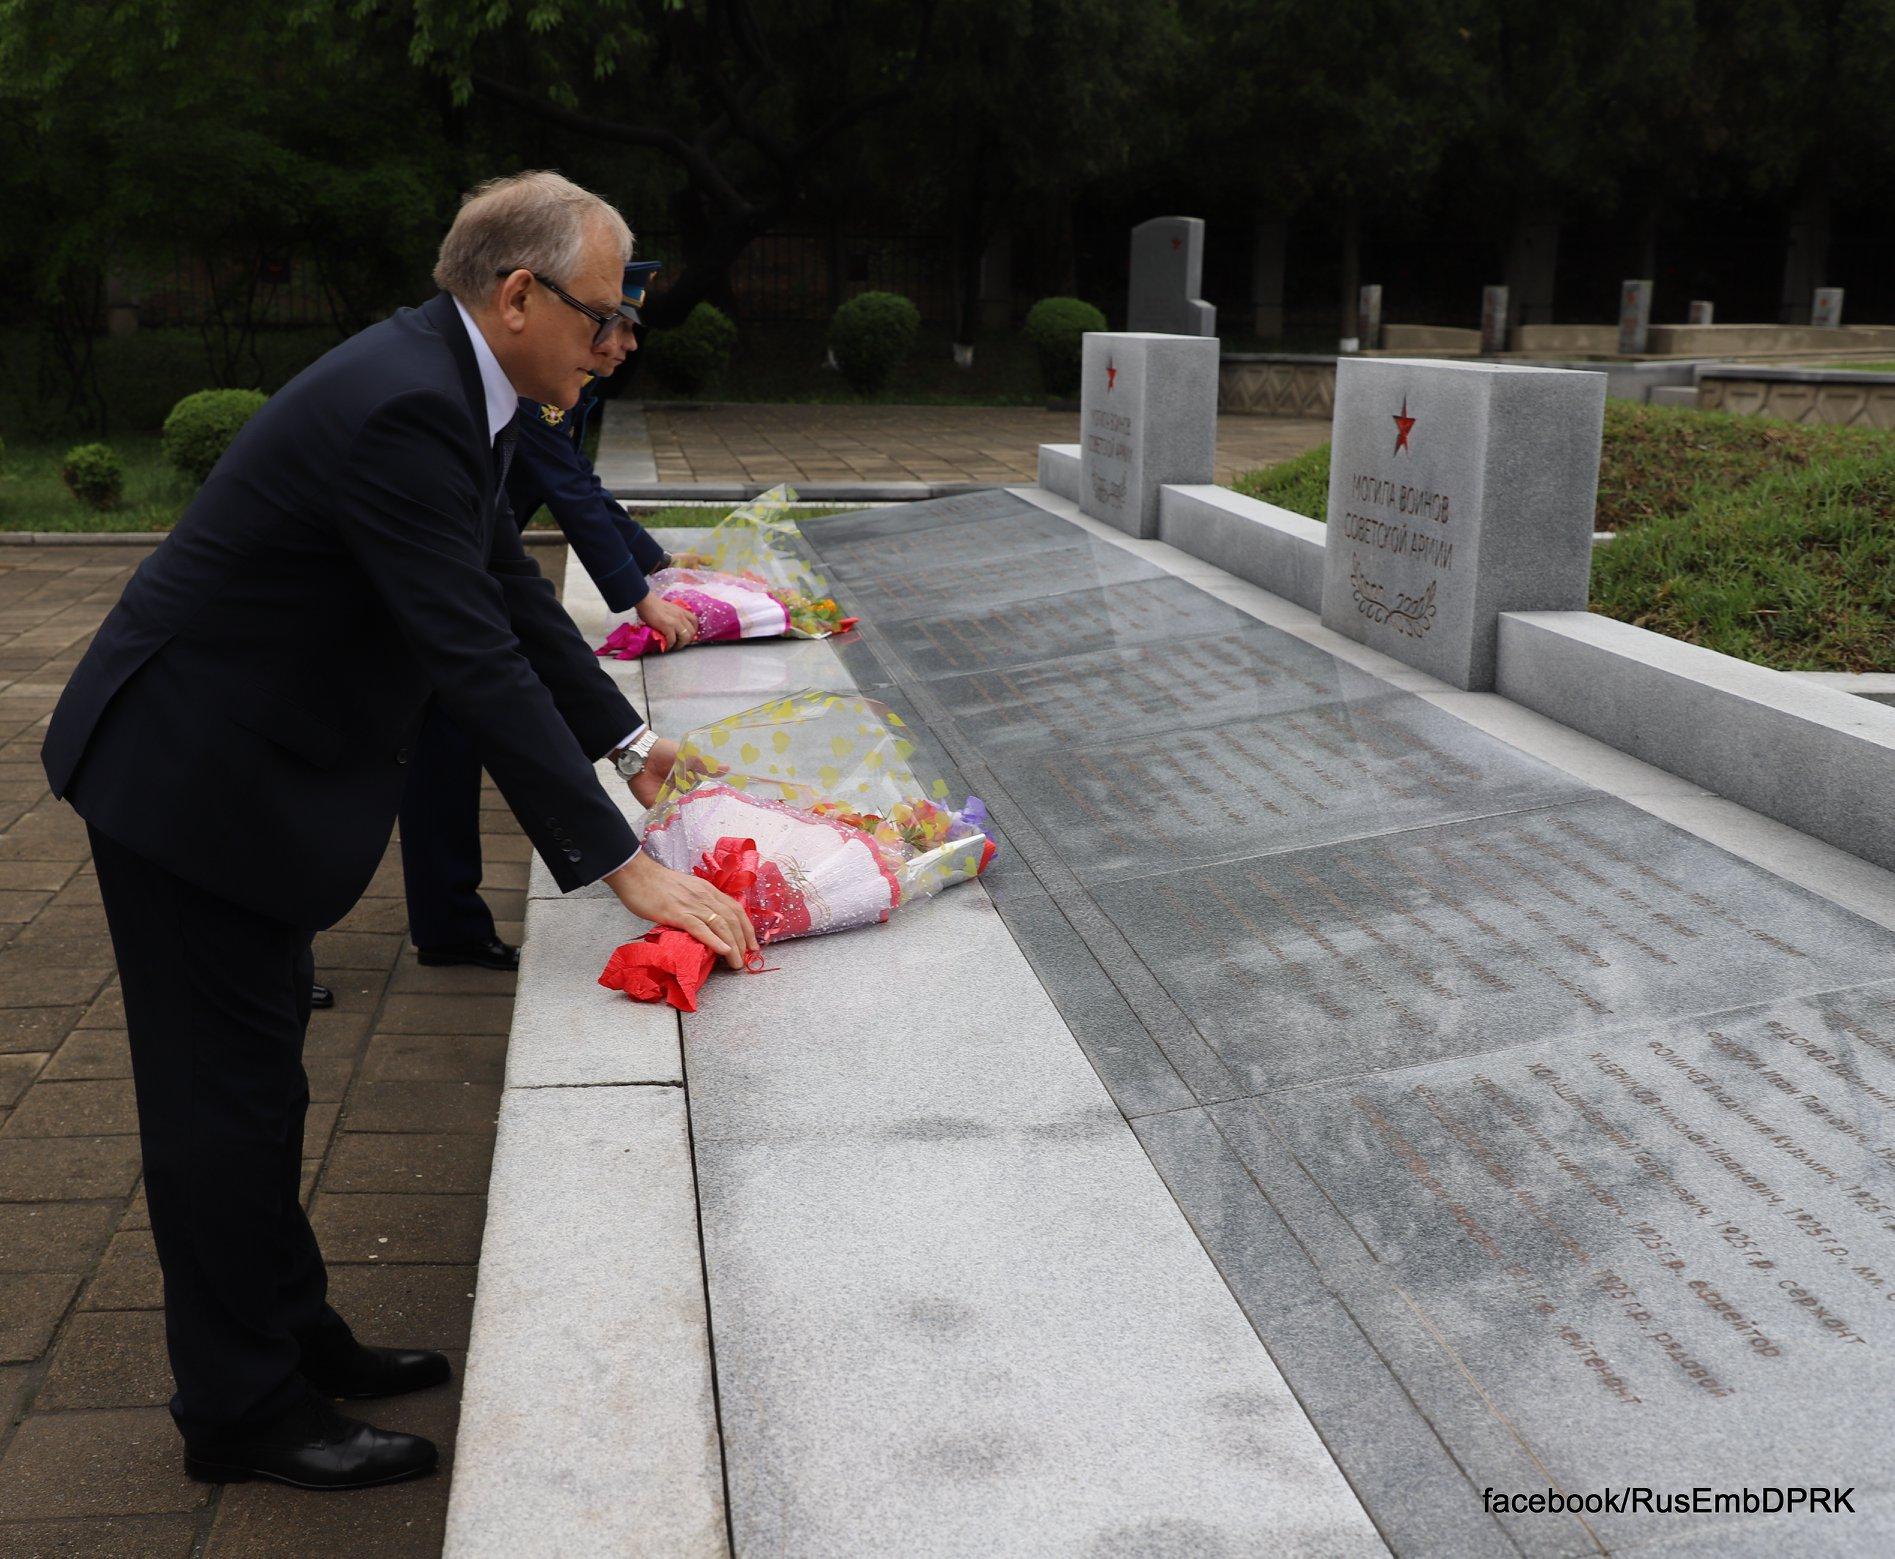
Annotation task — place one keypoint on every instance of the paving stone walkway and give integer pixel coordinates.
(724, 443)
(404, 1080)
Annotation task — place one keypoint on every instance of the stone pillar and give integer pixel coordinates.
(1166, 276)
(1699, 312)
(1825, 311)
(1493, 319)
(1271, 243)
(1368, 317)
(1457, 491)
(1147, 416)
(1635, 318)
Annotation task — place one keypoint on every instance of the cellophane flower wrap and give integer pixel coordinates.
(812, 811)
(751, 578)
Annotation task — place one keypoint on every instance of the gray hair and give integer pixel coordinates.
(537, 221)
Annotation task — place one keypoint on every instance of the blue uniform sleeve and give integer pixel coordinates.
(548, 469)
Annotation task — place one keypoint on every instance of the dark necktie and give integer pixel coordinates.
(503, 455)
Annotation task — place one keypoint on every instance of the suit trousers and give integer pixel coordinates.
(440, 837)
(216, 1003)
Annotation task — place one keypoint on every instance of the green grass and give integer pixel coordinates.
(1769, 541)
(32, 497)
(1858, 367)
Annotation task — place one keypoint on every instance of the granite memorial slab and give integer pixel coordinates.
(1175, 684)
(1147, 417)
(1415, 945)
(1314, 775)
(1457, 491)
(997, 541)
(1659, 1258)
(1635, 317)
(1074, 622)
(975, 584)
(1167, 276)
(824, 532)
(1493, 319)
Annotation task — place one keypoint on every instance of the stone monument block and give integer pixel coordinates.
(1699, 312)
(1368, 317)
(1493, 319)
(1635, 318)
(1167, 275)
(1457, 491)
(1825, 311)
(1147, 416)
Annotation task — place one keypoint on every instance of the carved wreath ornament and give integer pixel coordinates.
(1412, 615)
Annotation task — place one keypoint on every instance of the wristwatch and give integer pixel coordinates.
(629, 760)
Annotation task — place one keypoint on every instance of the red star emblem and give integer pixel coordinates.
(1404, 425)
(1177, 243)
(1112, 373)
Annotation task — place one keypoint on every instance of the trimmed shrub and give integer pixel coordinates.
(690, 358)
(93, 475)
(201, 426)
(871, 336)
(1053, 329)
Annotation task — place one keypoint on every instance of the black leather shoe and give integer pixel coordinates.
(490, 954)
(321, 996)
(377, 1372)
(315, 1447)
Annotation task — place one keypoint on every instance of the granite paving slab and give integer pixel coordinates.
(1322, 773)
(930, 591)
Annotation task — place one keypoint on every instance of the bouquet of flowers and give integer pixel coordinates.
(752, 579)
(808, 810)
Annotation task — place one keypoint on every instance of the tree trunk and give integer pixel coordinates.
(1806, 260)
(1269, 245)
(1532, 264)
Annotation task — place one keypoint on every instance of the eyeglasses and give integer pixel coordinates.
(609, 324)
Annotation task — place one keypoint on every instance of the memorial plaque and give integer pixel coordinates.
(1826, 308)
(1075, 622)
(1284, 782)
(1148, 689)
(1661, 1259)
(1412, 946)
(971, 586)
(1147, 416)
(950, 546)
(1635, 318)
(1457, 491)
(1167, 276)
(834, 530)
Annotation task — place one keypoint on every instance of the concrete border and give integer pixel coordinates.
(1280, 551)
(1059, 470)
(1820, 760)
(806, 492)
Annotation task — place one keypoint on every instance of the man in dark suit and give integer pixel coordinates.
(236, 739)
(448, 921)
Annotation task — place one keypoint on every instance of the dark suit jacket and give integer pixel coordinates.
(245, 713)
(551, 469)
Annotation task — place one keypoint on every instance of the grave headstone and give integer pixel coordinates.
(1147, 416)
(1826, 308)
(1699, 312)
(1493, 319)
(1635, 318)
(1457, 491)
(1368, 317)
(1167, 275)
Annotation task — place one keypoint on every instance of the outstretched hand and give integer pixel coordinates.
(674, 624)
(650, 780)
(670, 898)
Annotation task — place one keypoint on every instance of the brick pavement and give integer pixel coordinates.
(404, 1080)
(724, 443)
